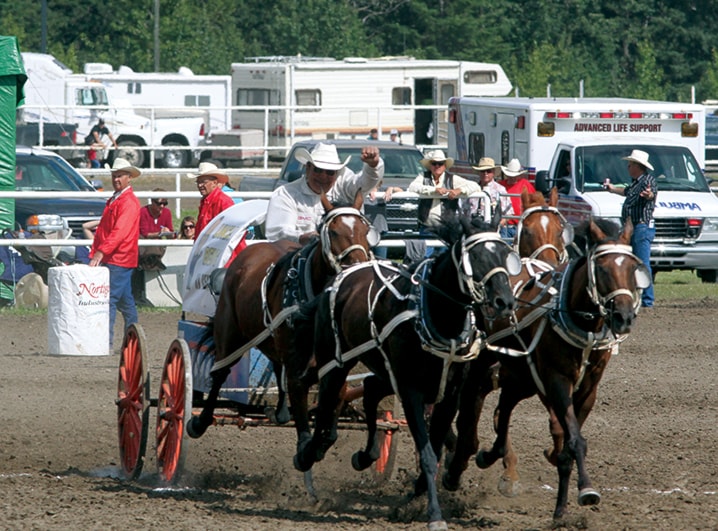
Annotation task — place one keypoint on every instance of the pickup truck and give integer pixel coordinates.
(53, 135)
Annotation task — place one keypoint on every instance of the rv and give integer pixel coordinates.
(54, 94)
(328, 98)
(577, 144)
(168, 93)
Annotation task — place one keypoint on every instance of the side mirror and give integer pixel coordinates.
(542, 182)
(564, 185)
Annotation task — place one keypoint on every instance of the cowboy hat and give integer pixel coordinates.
(123, 165)
(207, 169)
(323, 156)
(436, 155)
(485, 163)
(513, 168)
(639, 157)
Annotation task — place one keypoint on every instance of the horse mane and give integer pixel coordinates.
(582, 235)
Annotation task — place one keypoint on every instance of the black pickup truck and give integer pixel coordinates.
(57, 137)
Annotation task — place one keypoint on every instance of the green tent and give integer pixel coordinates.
(12, 79)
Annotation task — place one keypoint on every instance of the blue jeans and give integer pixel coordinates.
(641, 244)
(121, 297)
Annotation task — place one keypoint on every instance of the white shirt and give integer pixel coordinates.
(418, 187)
(295, 209)
(497, 193)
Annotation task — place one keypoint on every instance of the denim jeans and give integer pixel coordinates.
(121, 297)
(641, 244)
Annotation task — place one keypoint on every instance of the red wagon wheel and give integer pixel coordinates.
(174, 409)
(133, 389)
(383, 467)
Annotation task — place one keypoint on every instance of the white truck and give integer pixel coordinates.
(53, 93)
(578, 143)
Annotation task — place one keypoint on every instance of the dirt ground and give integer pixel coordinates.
(651, 440)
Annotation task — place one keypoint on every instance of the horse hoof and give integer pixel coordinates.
(438, 525)
(299, 465)
(361, 461)
(508, 487)
(481, 461)
(195, 428)
(450, 484)
(588, 496)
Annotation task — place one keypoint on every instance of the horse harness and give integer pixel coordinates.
(562, 255)
(298, 283)
(555, 311)
(450, 350)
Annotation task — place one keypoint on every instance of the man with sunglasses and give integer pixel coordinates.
(156, 219)
(295, 209)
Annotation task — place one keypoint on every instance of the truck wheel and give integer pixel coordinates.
(707, 276)
(127, 149)
(175, 158)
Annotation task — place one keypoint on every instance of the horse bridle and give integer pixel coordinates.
(476, 290)
(562, 255)
(601, 301)
(335, 261)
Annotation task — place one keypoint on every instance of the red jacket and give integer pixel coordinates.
(119, 229)
(209, 207)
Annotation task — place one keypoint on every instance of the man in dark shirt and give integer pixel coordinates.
(639, 205)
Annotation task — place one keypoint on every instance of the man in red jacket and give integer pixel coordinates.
(115, 244)
(209, 183)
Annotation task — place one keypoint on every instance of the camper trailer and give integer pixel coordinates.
(319, 98)
(168, 93)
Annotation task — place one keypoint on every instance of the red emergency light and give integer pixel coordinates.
(555, 115)
(606, 115)
(635, 115)
(694, 222)
(682, 115)
(452, 116)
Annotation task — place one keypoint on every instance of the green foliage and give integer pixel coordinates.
(642, 48)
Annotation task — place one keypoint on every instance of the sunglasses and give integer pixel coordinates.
(163, 203)
(188, 227)
(319, 171)
(437, 163)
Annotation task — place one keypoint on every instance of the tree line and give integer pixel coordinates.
(627, 48)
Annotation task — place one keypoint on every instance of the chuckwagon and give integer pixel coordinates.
(249, 392)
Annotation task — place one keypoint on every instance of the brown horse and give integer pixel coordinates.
(261, 300)
(410, 328)
(541, 239)
(562, 319)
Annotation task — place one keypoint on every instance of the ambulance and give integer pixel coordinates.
(577, 144)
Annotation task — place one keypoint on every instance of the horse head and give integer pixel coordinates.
(346, 235)
(543, 233)
(616, 276)
(483, 262)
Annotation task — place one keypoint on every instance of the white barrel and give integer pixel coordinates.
(78, 312)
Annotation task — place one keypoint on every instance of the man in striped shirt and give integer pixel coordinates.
(639, 205)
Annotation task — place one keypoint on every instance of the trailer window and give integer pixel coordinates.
(477, 144)
(480, 77)
(134, 88)
(257, 97)
(308, 98)
(401, 96)
(196, 101)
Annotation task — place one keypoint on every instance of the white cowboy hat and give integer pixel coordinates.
(436, 155)
(207, 169)
(323, 156)
(121, 164)
(393, 132)
(485, 163)
(513, 168)
(639, 157)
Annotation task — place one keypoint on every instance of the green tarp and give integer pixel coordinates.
(12, 79)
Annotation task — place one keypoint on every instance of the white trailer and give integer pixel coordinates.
(53, 93)
(329, 98)
(168, 92)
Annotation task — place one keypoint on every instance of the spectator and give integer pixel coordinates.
(373, 135)
(379, 221)
(89, 227)
(295, 209)
(209, 183)
(639, 205)
(515, 184)
(187, 228)
(115, 244)
(442, 187)
(94, 140)
(156, 219)
(394, 136)
(497, 193)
